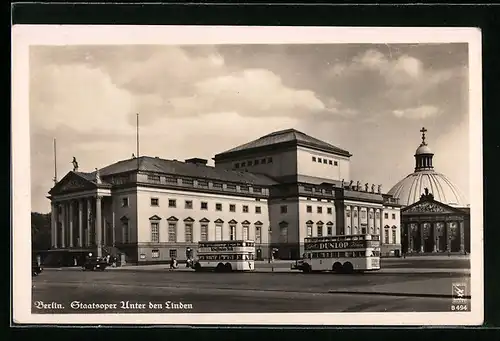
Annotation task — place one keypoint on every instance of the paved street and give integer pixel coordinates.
(283, 291)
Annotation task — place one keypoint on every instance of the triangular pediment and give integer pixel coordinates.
(245, 222)
(72, 182)
(329, 223)
(258, 223)
(124, 219)
(155, 217)
(172, 218)
(309, 222)
(189, 220)
(283, 223)
(319, 222)
(429, 206)
(204, 220)
(219, 221)
(233, 222)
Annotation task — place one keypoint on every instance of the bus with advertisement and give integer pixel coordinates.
(225, 256)
(340, 254)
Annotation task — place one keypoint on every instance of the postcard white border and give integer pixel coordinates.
(25, 35)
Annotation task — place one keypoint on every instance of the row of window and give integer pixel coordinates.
(370, 214)
(202, 183)
(188, 232)
(319, 230)
(324, 161)
(255, 162)
(394, 240)
(319, 209)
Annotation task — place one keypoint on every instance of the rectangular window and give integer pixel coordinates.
(232, 232)
(257, 190)
(232, 208)
(188, 232)
(335, 163)
(329, 230)
(246, 234)
(202, 183)
(171, 180)
(243, 164)
(204, 205)
(269, 160)
(231, 187)
(263, 161)
(155, 202)
(218, 232)
(218, 207)
(320, 160)
(330, 162)
(386, 236)
(258, 234)
(172, 253)
(320, 209)
(320, 231)
(283, 209)
(172, 203)
(394, 236)
(258, 210)
(309, 231)
(329, 210)
(250, 163)
(325, 161)
(245, 209)
(125, 232)
(155, 253)
(154, 178)
(189, 182)
(155, 232)
(188, 204)
(237, 165)
(256, 162)
(284, 234)
(363, 230)
(124, 202)
(386, 215)
(204, 232)
(394, 216)
(217, 185)
(314, 159)
(172, 232)
(309, 209)
(244, 188)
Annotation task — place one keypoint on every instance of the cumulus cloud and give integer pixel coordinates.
(420, 112)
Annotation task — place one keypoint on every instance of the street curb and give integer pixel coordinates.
(397, 294)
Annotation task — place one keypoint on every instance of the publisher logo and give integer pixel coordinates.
(459, 292)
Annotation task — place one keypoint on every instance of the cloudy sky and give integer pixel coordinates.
(196, 101)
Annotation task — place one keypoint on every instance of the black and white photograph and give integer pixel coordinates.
(247, 175)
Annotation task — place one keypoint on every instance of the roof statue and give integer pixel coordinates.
(358, 184)
(373, 188)
(366, 187)
(379, 189)
(350, 184)
(97, 176)
(75, 164)
(342, 183)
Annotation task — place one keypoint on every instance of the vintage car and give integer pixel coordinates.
(94, 264)
(36, 269)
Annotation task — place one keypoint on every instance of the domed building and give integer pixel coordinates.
(435, 215)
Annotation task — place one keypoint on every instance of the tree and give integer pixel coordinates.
(40, 231)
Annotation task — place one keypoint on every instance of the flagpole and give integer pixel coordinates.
(55, 162)
(137, 142)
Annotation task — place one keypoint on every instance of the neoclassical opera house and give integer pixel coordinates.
(434, 216)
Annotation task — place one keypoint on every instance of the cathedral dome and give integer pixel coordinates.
(409, 189)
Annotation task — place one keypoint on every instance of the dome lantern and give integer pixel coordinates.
(423, 155)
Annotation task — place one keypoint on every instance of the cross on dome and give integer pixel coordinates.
(423, 131)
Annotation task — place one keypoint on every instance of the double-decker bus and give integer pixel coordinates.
(340, 254)
(225, 256)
